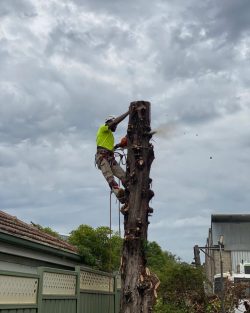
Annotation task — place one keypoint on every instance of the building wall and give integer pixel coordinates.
(238, 257)
(15, 267)
(236, 245)
(236, 235)
(17, 263)
(208, 260)
(213, 266)
(226, 259)
(18, 258)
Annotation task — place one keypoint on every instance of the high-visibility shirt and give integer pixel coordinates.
(105, 138)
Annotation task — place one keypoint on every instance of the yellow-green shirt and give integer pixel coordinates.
(105, 138)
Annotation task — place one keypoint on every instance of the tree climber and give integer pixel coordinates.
(105, 159)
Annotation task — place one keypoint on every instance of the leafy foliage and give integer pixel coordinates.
(97, 248)
(182, 291)
(47, 230)
(157, 259)
(182, 285)
(162, 307)
(233, 295)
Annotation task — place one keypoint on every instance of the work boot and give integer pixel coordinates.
(119, 192)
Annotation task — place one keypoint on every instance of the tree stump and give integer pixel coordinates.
(138, 284)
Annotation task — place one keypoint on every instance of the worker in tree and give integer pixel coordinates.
(105, 159)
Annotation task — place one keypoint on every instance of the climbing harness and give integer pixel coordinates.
(122, 155)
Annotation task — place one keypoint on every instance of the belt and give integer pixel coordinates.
(103, 150)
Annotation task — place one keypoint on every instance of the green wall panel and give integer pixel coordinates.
(118, 300)
(18, 310)
(59, 306)
(96, 303)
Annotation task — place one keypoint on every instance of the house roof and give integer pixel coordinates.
(12, 226)
(230, 218)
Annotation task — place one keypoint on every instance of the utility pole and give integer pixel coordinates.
(197, 259)
(138, 284)
(220, 242)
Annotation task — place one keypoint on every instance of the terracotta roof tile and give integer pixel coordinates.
(11, 225)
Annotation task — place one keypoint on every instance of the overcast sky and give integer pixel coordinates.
(66, 65)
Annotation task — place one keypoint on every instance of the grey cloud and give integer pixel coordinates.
(223, 20)
(191, 185)
(79, 44)
(136, 10)
(69, 65)
(203, 43)
(39, 108)
(49, 100)
(22, 8)
(233, 18)
(199, 100)
(184, 51)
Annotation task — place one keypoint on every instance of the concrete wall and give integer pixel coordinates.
(226, 259)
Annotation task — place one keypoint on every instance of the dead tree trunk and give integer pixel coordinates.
(138, 284)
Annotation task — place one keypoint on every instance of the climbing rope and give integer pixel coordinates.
(123, 160)
(110, 249)
(119, 213)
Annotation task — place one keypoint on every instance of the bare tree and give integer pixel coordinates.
(138, 284)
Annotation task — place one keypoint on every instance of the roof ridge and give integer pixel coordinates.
(34, 233)
(30, 226)
(31, 232)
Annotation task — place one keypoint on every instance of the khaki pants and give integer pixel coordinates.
(110, 168)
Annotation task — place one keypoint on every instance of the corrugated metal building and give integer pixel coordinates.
(235, 229)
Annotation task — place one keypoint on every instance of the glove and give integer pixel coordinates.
(124, 142)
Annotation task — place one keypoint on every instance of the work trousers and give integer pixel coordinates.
(110, 168)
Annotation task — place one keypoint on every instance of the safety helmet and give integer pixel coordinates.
(110, 118)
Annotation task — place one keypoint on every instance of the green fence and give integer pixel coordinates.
(97, 291)
(18, 292)
(58, 291)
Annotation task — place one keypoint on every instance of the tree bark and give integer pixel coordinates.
(138, 284)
